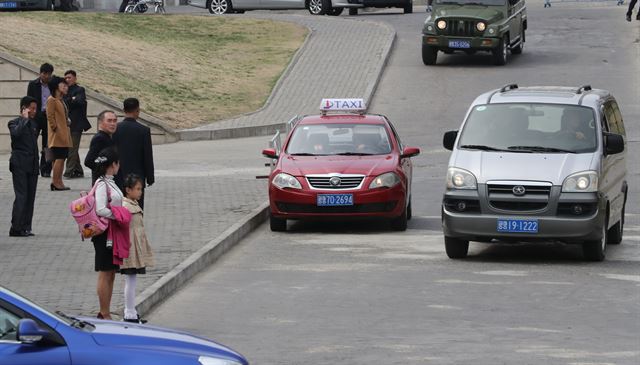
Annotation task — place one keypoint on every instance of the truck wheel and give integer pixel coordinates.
(500, 52)
(408, 7)
(277, 224)
(595, 250)
(335, 11)
(319, 7)
(429, 55)
(456, 248)
(520, 47)
(400, 223)
(353, 11)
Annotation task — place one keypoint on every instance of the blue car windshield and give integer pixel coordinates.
(520, 127)
(339, 139)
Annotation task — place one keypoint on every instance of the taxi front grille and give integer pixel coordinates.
(342, 182)
(357, 208)
(459, 28)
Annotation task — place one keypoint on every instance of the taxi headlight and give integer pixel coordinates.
(206, 360)
(441, 24)
(283, 181)
(388, 180)
(481, 26)
(460, 179)
(581, 182)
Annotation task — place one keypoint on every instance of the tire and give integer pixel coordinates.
(595, 250)
(500, 52)
(277, 224)
(456, 248)
(335, 11)
(219, 7)
(409, 210)
(400, 223)
(520, 47)
(353, 11)
(319, 7)
(239, 11)
(615, 233)
(429, 55)
(408, 8)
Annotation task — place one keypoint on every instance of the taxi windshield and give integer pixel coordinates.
(544, 128)
(471, 2)
(339, 139)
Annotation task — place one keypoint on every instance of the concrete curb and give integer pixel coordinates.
(170, 282)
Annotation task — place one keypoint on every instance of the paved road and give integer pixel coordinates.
(347, 293)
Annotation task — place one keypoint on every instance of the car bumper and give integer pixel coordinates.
(442, 42)
(302, 204)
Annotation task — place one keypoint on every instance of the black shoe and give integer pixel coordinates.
(138, 321)
(55, 188)
(18, 233)
(31, 234)
(628, 17)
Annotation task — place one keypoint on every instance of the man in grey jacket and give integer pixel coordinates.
(23, 165)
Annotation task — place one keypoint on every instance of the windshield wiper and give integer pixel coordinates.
(540, 149)
(306, 154)
(472, 3)
(450, 3)
(354, 154)
(482, 147)
(75, 322)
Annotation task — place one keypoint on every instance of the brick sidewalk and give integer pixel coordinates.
(201, 189)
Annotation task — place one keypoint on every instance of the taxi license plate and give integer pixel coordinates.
(333, 200)
(518, 225)
(9, 5)
(459, 44)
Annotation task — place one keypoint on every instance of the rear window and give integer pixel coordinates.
(339, 139)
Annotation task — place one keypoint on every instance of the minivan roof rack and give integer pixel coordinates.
(508, 87)
(583, 88)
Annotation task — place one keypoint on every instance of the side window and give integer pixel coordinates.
(610, 118)
(619, 121)
(8, 325)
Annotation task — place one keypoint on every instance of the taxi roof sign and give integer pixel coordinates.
(343, 105)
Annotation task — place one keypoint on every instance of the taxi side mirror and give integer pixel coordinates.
(449, 139)
(270, 153)
(614, 143)
(410, 152)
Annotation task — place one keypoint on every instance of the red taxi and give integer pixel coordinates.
(341, 163)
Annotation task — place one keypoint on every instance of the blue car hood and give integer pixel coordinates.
(131, 335)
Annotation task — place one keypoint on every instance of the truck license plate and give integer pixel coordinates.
(459, 44)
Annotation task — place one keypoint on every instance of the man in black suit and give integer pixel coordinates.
(23, 165)
(76, 99)
(133, 141)
(107, 124)
(39, 90)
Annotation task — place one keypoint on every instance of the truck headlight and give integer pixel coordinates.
(460, 179)
(481, 26)
(388, 180)
(581, 182)
(283, 180)
(206, 360)
(441, 24)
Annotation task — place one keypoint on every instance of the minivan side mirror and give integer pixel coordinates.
(614, 143)
(410, 152)
(29, 332)
(270, 153)
(449, 139)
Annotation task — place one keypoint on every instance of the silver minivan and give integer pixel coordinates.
(537, 164)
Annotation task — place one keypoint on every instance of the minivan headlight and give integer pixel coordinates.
(460, 179)
(581, 182)
(283, 180)
(387, 180)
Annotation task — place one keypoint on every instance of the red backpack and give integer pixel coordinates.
(83, 210)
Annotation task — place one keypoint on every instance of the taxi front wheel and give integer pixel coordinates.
(456, 248)
(429, 55)
(277, 224)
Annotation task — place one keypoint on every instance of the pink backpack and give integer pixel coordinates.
(83, 210)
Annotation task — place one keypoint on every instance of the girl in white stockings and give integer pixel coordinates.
(140, 255)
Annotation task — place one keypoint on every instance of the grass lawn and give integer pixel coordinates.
(187, 70)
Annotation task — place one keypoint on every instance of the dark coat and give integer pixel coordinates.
(34, 91)
(24, 146)
(133, 141)
(77, 101)
(99, 142)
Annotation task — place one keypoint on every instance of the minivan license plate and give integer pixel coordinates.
(517, 225)
(459, 44)
(333, 200)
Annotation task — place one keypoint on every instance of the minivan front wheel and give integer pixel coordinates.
(595, 250)
(456, 248)
(617, 230)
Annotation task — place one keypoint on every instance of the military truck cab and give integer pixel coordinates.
(496, 26)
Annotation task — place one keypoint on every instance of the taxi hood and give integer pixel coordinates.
(551, 167)
(362, 165)
(131, 335)
(488, 14)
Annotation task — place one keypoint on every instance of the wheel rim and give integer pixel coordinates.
(219, 6)
(315, 6)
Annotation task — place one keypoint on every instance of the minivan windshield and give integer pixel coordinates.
(519, 127)
(470, 2)
(339, 139)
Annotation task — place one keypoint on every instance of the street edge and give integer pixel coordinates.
(175, 279)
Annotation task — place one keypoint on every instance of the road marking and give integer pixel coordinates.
(533, 329)
(562, 353)
(634, 278)
(447, 307)
(551, 282)
(503, 273)
(457, 281)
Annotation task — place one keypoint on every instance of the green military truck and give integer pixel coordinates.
(469, 26)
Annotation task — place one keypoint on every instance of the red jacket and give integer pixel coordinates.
(119, 233)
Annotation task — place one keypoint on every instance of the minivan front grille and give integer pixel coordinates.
(528, 189)
(335, 182)
(518, 198)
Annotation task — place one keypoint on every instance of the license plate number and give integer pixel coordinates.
(332, 200)
(517, 226)
(459, 44)
(10, 5)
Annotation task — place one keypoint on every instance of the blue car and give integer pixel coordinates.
(31, 335)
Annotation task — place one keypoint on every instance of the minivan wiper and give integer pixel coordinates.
(472, 3)
(450, 3)
(540, 149)
(482, 147)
